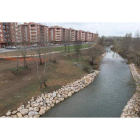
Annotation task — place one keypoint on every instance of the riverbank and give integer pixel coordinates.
(45, 101)
(132, 109)
(18, 87)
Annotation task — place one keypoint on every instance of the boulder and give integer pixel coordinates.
(51, 98)
(8, 113)
(24, 111)
(14, 116)
(31, 113)
(43, 107)
(57, 101)
(41, 112)
(26, 116)
(54, 94)
(36, 109)
(27, 106)
(14, 112)
(47, 100)
(31, 108)
(36, 116)
(61, 99)
(41, 103)
(19, 115)
(69, 94)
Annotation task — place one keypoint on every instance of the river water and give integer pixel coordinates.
(106, 96)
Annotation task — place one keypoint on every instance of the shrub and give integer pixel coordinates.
(86, 68)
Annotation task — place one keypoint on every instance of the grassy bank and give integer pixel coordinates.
(34, 51)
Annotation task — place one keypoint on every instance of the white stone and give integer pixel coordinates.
(41, 103)
(54, 94)
(14, 116)
(36, 116)
(41, 112)
(19, 115)
(31, 113)
(47, 100)
(36, 109)
(24, 111)
(43, 107)
(14, 112)
(31, 108)
(8, 113)
(69, 94)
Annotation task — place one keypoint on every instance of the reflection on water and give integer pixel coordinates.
(105, 97)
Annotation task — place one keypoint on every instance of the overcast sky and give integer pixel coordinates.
(103, 28)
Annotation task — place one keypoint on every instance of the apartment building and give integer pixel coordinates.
(82, 36)
(72, 35)
(32, 33)
(8, 33)
(77, 35)
(57, 34)
(67, 35)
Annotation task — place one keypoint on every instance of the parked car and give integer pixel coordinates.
(8, 47)
(13, 47)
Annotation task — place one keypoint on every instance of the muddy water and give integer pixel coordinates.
(106, 96)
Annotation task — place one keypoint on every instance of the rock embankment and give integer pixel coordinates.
(132, 109)
(37, 107)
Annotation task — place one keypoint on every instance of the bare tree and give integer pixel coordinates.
(38, 50)
(136, 41)
(24, 52)
(77, 48)
(94, 52)
(45, 63)
(126, 42)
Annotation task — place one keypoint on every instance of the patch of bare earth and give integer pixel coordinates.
(19, 88)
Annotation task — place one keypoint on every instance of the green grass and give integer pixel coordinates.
(33, 51)
(19, 71)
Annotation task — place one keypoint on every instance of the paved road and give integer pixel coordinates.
(29, 48)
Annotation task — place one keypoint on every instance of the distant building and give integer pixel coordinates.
(32, 33)
(57, 34)
(8, 33)
(72, 35)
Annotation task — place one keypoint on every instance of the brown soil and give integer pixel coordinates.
(19, 87)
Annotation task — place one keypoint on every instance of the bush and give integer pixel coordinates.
(86, 68)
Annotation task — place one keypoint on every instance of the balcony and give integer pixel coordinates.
(7, 23)
(5, 40)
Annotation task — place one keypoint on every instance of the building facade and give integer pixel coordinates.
(32, 33)
(8, 33)
(57, 34)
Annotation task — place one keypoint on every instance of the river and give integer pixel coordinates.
(106, 96)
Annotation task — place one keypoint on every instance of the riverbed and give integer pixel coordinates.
(106, 96)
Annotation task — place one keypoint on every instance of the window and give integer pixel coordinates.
(0, 30)
(0, 26)
(1, 35)
(1, 39)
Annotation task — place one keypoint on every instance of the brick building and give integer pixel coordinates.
(82, 36)
(8, 33)
(57, 34)
(32, 33)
